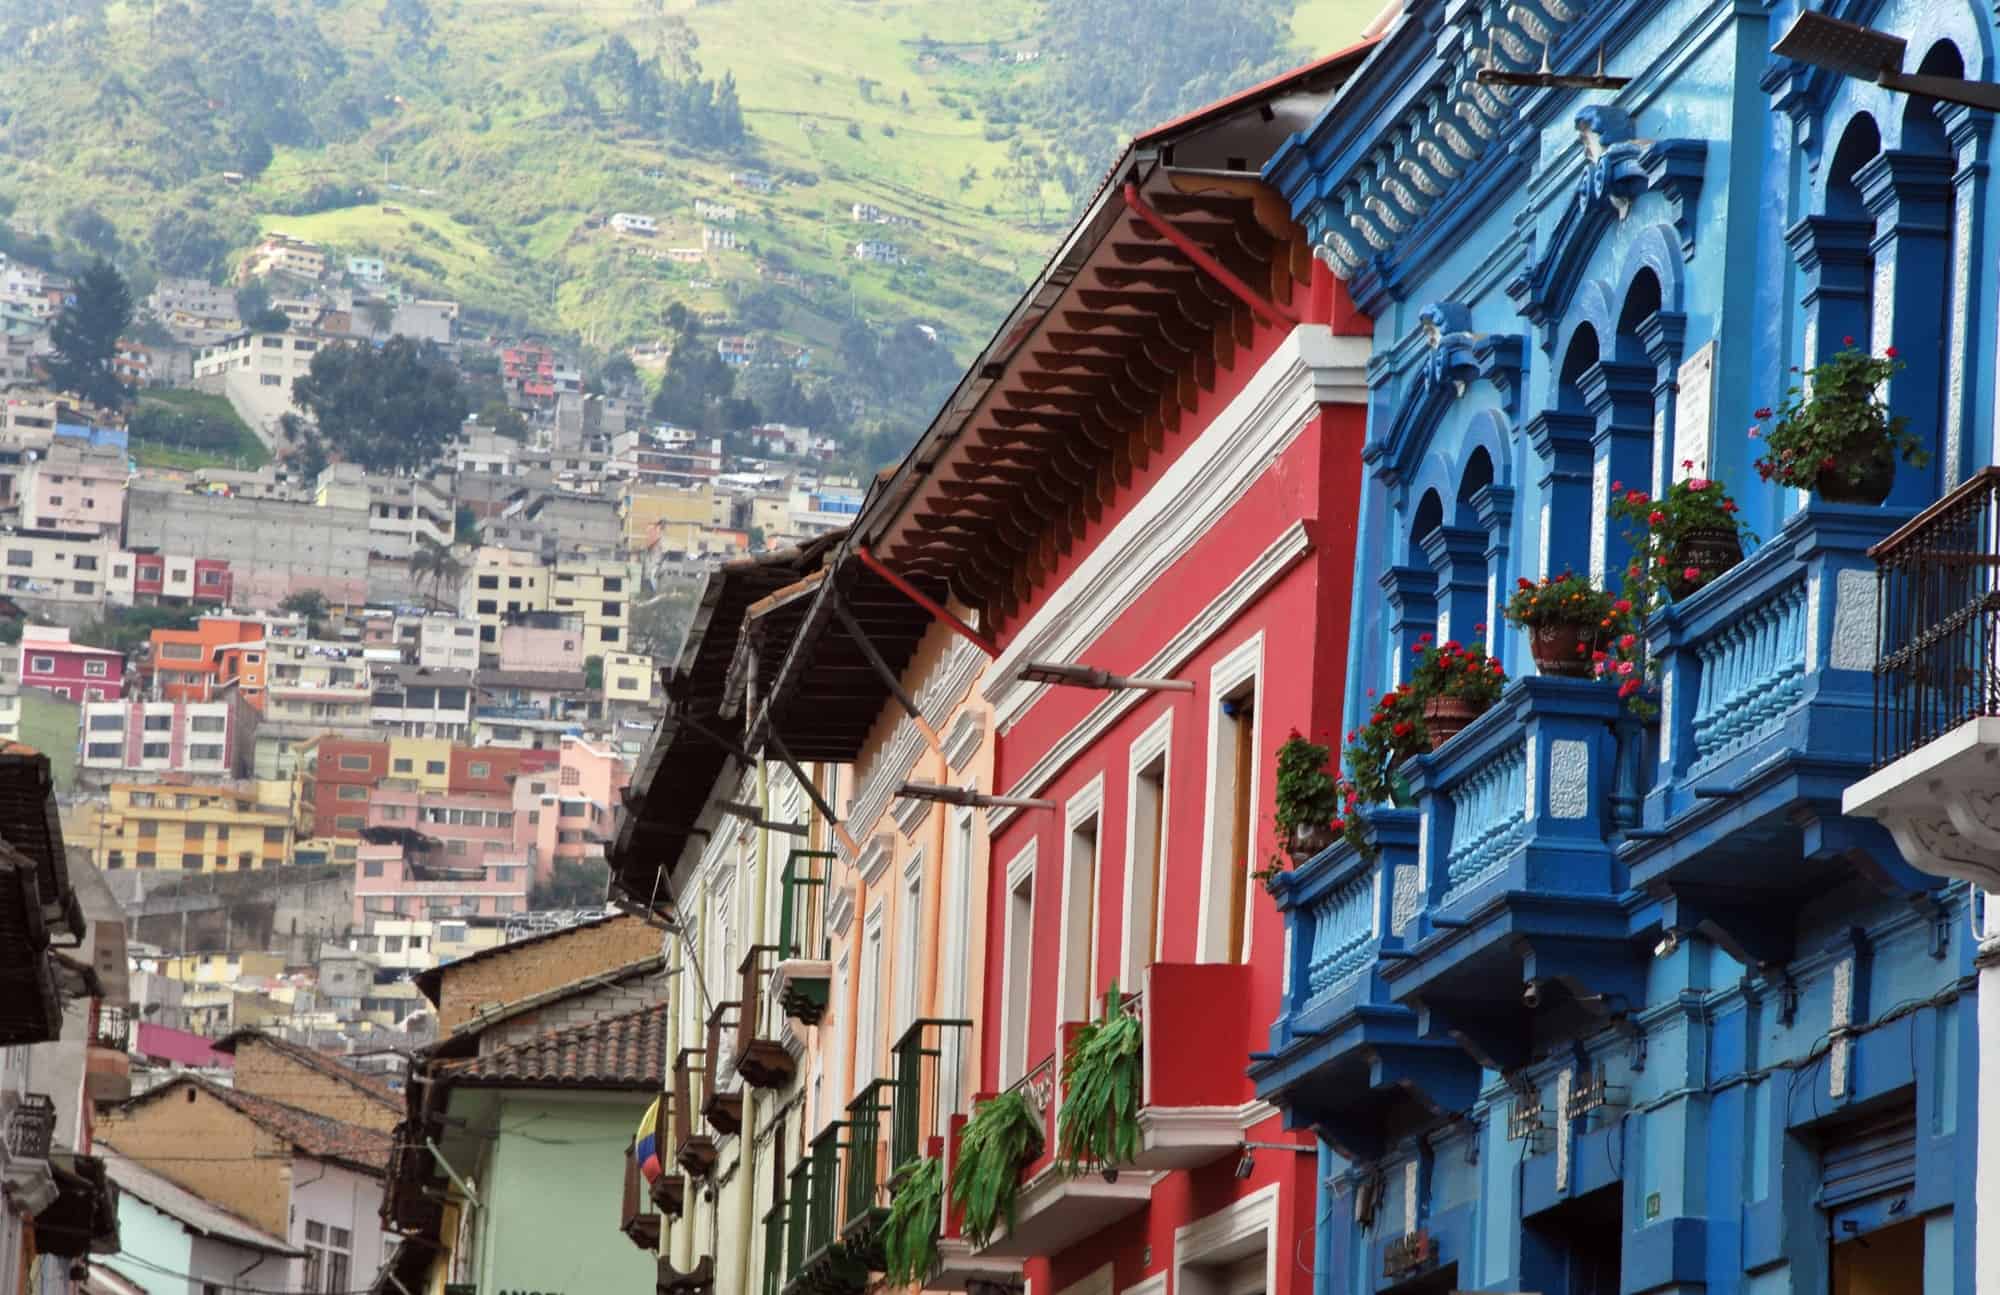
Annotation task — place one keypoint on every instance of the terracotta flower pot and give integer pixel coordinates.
(1445, 716)
(1709, 551)
(1833, 485)
(1562, 647)
(1308, 839)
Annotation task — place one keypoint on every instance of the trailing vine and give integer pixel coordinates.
(910, 1232)
(1098, 1126)
(1002, 1135)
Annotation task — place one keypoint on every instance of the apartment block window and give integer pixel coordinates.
(84, 561)
(159, 723)
(147, 859)
(479, 769)
(351, 791)
(348, 822)
(373, 868)
(195, 831)
(613, 584)
(403, 766)
(274, 836)
(105, 750)
(355, 763)
(608, 633)
(107, 723)
(208, 751)
(208, 724)
(149, 827)
(41, 665)
(433, 766)
(114, 859)
(191, 863)
(1016, 972)
(97, 668)
(20, 557)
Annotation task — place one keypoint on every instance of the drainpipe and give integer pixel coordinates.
(751, 899)
(1986, 1180)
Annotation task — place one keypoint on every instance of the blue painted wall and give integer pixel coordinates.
(1543, 269)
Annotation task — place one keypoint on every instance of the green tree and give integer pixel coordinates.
(312, 605)
(253, 307)
(465, 526)
(593, 673)
(572, 883)
(85, 336)
(89, 228)
(392, 409)
(184, 243)
(433, 565)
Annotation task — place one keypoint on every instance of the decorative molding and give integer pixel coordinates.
(1155, 743)
(1854, 614)
(1569, 778)
(875, 857)
(962, 742)
(1229, 1228)
(937, 694)
(910, 814)
(1240, 664)
(1021, 867)
(1248, 586)
(1310, 368)
(840, 909)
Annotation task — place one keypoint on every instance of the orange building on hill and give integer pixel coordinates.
(191, 665)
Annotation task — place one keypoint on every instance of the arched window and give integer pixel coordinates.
(1412, 588)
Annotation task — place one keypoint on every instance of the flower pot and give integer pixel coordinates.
(1709, 551)
(1834, 486)
(1562, 647)
(1445, 716)
(1308, 839)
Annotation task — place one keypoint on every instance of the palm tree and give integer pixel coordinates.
(434, 565)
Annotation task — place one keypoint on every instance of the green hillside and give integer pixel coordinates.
(478, 146)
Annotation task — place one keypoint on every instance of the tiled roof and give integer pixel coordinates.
(627, 1051)
(313, 1059)
(315, 1135)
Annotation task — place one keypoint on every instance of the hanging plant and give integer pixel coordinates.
(910, 1232)
(1098, 1126)
(1680, 541)
(1834, 433)
(1002, 1135)
(1308, 801)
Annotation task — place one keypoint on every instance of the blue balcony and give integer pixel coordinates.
(1344, 1059)
(1767, 714)
(1520, 935)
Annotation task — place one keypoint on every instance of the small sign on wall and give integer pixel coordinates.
(1694, 411)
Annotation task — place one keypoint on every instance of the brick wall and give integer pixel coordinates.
(196, 1140)
(509, 974)
(264, 1071)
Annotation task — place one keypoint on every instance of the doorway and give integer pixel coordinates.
(1887, 1261)
(1577, 1247)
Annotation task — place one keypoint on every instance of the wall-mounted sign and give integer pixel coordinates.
(1694, 411)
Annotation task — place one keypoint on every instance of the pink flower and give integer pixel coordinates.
(1597, 656)
(1617, 485)
(1755, 434)
(1688, 464)
(1700, 483)
(1480, 628)
(1691, 573)
(1622, 606)
(1624, 667)
(1599, 667)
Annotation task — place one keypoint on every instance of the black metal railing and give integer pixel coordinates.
(1937, 636)
(31, 1127)
(925, 1047)
(114, 1029)
(801, 924)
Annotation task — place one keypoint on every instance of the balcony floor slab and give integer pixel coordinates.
(1941, 803)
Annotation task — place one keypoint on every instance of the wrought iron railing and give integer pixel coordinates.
(1937, 638)
(823, 1190)
(774, 1249)
(924, 1048)
(31, 1127)
(799, 1216)
(800, 933)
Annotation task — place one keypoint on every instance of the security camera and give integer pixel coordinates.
(1669, 943)
(1531, 995)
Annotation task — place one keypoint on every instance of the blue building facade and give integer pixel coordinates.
(1622, 1004)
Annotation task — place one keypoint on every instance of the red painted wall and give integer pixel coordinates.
(1303, 617)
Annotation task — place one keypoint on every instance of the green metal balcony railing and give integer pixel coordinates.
(796, 1219)
(926, 1046)
(823, 1188)
(806, 871)
(774, 1250)
(871, 1108)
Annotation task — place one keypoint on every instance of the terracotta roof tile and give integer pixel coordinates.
(315, 1135)
(627, 1051)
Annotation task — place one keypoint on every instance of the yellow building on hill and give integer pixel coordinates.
(188, 829)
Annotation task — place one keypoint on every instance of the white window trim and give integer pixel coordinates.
(1196, 1242)
(1021, 868)
(868, 998)
(910, 942)
(1081, 808)
(1156, 743)
(1154, 1285)
(1242, 664)
(1098, 1282)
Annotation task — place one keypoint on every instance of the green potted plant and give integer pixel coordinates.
(1834, 433)
(910, 1230)
(1393, 731)
(1098, 1124)
(1004, 1134)
(1681, 540)
(1565, 616)
(1456, 683)
(1307, 797)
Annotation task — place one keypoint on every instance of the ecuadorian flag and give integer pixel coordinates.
(646, 1146)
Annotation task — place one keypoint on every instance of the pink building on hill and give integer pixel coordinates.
(568, 812)
(399, 878)
(75, 671)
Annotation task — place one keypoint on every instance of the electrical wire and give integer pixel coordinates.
(126, 1256)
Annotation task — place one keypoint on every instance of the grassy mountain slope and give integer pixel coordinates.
(486, 177)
